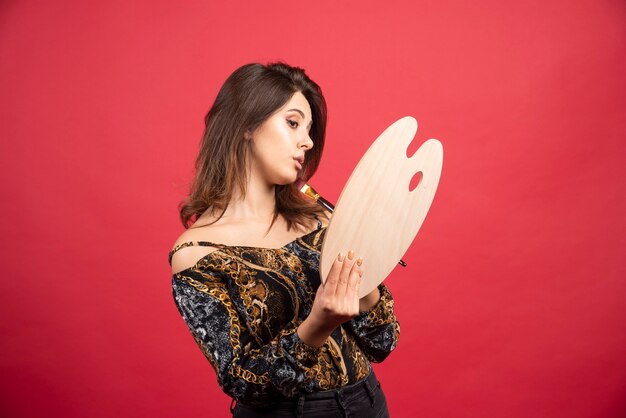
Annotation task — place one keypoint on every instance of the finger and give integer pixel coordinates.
(330, 285)
(344, 275)
(354, 281)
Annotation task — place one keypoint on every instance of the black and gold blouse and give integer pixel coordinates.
(243, 306)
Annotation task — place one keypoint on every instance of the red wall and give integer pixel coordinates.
(513, 301)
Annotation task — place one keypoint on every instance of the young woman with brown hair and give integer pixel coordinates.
(246, 269)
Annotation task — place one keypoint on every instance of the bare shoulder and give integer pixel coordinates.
(188, 235)
(189, 255)
(205, 228)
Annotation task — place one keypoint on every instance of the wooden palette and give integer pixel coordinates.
(377, 216)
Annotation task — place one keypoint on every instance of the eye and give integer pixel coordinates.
(292, 123)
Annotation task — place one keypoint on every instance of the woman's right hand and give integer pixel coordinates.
(336, 300)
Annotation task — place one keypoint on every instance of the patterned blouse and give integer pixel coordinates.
(243, 306)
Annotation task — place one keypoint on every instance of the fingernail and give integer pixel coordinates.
(350, 254)
(359, 261)
(340, 257)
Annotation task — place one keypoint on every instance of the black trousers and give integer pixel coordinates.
(364, 399)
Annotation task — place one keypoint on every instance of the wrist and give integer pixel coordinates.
(312, 333)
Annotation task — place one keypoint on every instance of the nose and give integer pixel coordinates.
(307, 142)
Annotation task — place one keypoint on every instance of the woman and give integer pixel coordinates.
(246, 270)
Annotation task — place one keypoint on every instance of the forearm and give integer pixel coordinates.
(313, 334)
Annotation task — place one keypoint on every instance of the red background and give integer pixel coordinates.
(513, 301)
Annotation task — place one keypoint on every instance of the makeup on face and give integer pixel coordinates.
(281, 142)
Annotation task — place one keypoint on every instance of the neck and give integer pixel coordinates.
(259, 202)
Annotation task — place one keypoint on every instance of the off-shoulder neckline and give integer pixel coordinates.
(246, 247)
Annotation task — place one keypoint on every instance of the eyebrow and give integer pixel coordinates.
(302, 114)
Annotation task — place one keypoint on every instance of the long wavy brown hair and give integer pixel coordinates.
(249, 96)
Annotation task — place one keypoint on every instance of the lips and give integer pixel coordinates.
(299, 161)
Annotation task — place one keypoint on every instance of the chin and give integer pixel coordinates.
(285, 180)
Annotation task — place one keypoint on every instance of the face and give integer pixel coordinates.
(280, 143)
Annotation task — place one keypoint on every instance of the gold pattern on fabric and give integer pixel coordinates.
(379, 315)
(262, 296)
(360, 364)
(222, 296)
